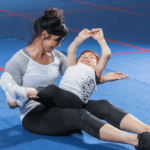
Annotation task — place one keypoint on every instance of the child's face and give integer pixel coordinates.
(88, 58)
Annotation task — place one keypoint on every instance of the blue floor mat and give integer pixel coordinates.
(132, 94)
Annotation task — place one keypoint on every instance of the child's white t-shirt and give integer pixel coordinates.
(80, 80)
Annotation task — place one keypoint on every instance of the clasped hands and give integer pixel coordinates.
(97, 34)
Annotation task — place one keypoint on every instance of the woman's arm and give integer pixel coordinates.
(16, 67)
(11, 102)
(106, 53)
(83, 35)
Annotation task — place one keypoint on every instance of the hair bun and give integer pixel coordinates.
(53, 13)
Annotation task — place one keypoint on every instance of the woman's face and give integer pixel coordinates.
(49, 44)
(88, 58)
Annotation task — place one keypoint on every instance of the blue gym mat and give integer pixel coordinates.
(125, 24)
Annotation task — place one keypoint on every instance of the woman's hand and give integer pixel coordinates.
(12, 105)
(33, 96)
(84, 34)
(112, 77)
(97, 34)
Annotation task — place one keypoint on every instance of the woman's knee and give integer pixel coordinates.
(104, 108)
(104, 105)
(104, 102)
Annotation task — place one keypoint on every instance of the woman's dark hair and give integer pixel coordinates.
(53, 22)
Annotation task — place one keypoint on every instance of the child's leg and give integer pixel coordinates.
(49, 96)
(54, 96)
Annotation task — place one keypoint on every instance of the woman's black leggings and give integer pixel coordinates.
(52, 120)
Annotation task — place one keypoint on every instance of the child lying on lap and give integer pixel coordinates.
(79, 81)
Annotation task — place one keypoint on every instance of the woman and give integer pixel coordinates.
(79, 80)
(34, 68)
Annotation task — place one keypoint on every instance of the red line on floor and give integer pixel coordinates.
(126, 44)
(111, 8)
(123, 53)
(1, 69)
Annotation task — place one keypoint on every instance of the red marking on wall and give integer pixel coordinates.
(73, 30)
(116, 42)
(111, 8)
(83, 10)
(15, 14)
(77, 30)
(13, 36)
(67, 11)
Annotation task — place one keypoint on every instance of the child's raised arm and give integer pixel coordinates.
(82, 36)
(97, 34)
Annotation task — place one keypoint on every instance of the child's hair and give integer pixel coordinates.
(52, 21)
(88, 50)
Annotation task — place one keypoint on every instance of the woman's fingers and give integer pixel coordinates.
(33, 96)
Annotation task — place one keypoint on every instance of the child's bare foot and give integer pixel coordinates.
(31, 92)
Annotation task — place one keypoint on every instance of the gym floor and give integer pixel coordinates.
(126, 27)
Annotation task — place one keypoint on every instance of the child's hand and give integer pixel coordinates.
(97, 34)
(84, 34)
(113, 77)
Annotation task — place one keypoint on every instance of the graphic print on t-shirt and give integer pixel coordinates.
(86, 87)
